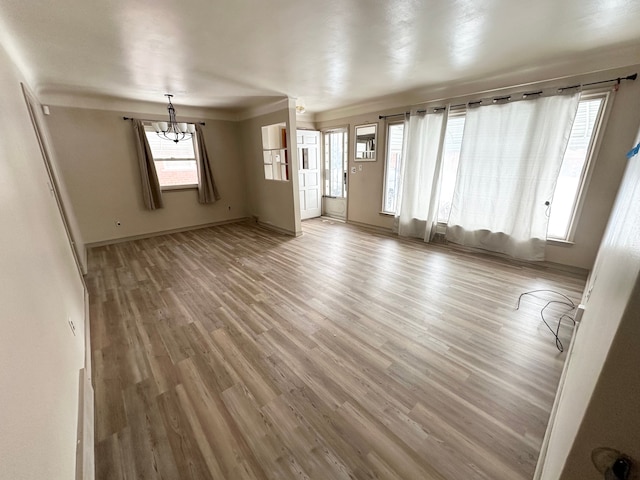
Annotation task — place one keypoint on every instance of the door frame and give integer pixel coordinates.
(346, 128)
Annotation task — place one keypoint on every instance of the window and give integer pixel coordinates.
(574, 166)
(335, 163)
(451, 156)
(393, 164)
(274, 152)
(175, 162)
(572, 175)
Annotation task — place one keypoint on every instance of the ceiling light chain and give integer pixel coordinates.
(172, 130)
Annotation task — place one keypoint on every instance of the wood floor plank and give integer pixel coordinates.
(233, 352)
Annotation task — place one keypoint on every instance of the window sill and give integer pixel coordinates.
(388, 214)
(556, 242)
(179, 187)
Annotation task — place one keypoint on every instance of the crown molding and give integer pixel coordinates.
(134, 107)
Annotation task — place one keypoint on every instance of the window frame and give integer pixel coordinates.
(185, 186)
(387, 140)
(589, 164)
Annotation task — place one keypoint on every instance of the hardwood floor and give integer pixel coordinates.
(233, 352)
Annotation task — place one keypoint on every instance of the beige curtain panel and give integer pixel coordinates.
(151, 193)
(207, 190)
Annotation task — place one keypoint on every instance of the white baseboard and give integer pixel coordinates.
(85, 457)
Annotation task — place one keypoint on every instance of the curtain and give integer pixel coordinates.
(509, 163)
(151, 193)
(207, 190)
(417, 208)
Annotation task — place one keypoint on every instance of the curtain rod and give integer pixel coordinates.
(506, 98)
(144, 120)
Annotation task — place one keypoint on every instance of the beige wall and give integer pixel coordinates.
(598, 404)
(97, 157)
(272, 202)
(365, 187)
(41, 291)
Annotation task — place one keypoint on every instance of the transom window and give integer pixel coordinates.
(175, 162)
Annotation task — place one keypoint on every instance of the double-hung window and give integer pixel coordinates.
(175, 163)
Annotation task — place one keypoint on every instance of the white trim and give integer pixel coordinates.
(187, 186)
(132, 108)
(544, 448)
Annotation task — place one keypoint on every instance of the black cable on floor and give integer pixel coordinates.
(569, 303)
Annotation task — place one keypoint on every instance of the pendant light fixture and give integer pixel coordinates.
(172, 130)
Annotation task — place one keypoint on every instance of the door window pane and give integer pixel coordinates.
(335, 153)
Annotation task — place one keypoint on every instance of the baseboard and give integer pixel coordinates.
(367, 226)
(284, 231)
(113, 241)
(85, 456)
(544, 448)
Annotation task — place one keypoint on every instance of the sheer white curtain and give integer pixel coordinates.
(418, 194)
(509, 163)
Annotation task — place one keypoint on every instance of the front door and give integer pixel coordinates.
(334, 202)
(309, 174)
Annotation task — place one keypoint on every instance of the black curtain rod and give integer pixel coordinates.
(506, 98)
(131, 118)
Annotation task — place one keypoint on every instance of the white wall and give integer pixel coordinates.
(598, 405)
(40, 290)
(97, 157)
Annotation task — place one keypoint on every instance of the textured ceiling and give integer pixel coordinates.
(331, 53)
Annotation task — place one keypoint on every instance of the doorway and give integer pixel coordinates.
(309, 183)
(334, 200)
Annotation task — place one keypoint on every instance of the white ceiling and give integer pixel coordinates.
(331, 53)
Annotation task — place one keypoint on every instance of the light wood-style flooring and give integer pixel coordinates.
(234, 352)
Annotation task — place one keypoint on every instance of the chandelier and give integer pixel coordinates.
(172, 130)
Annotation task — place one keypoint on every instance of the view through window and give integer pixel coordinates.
(335, 163)
(395, 137)
(570, 179)
(175, 162)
